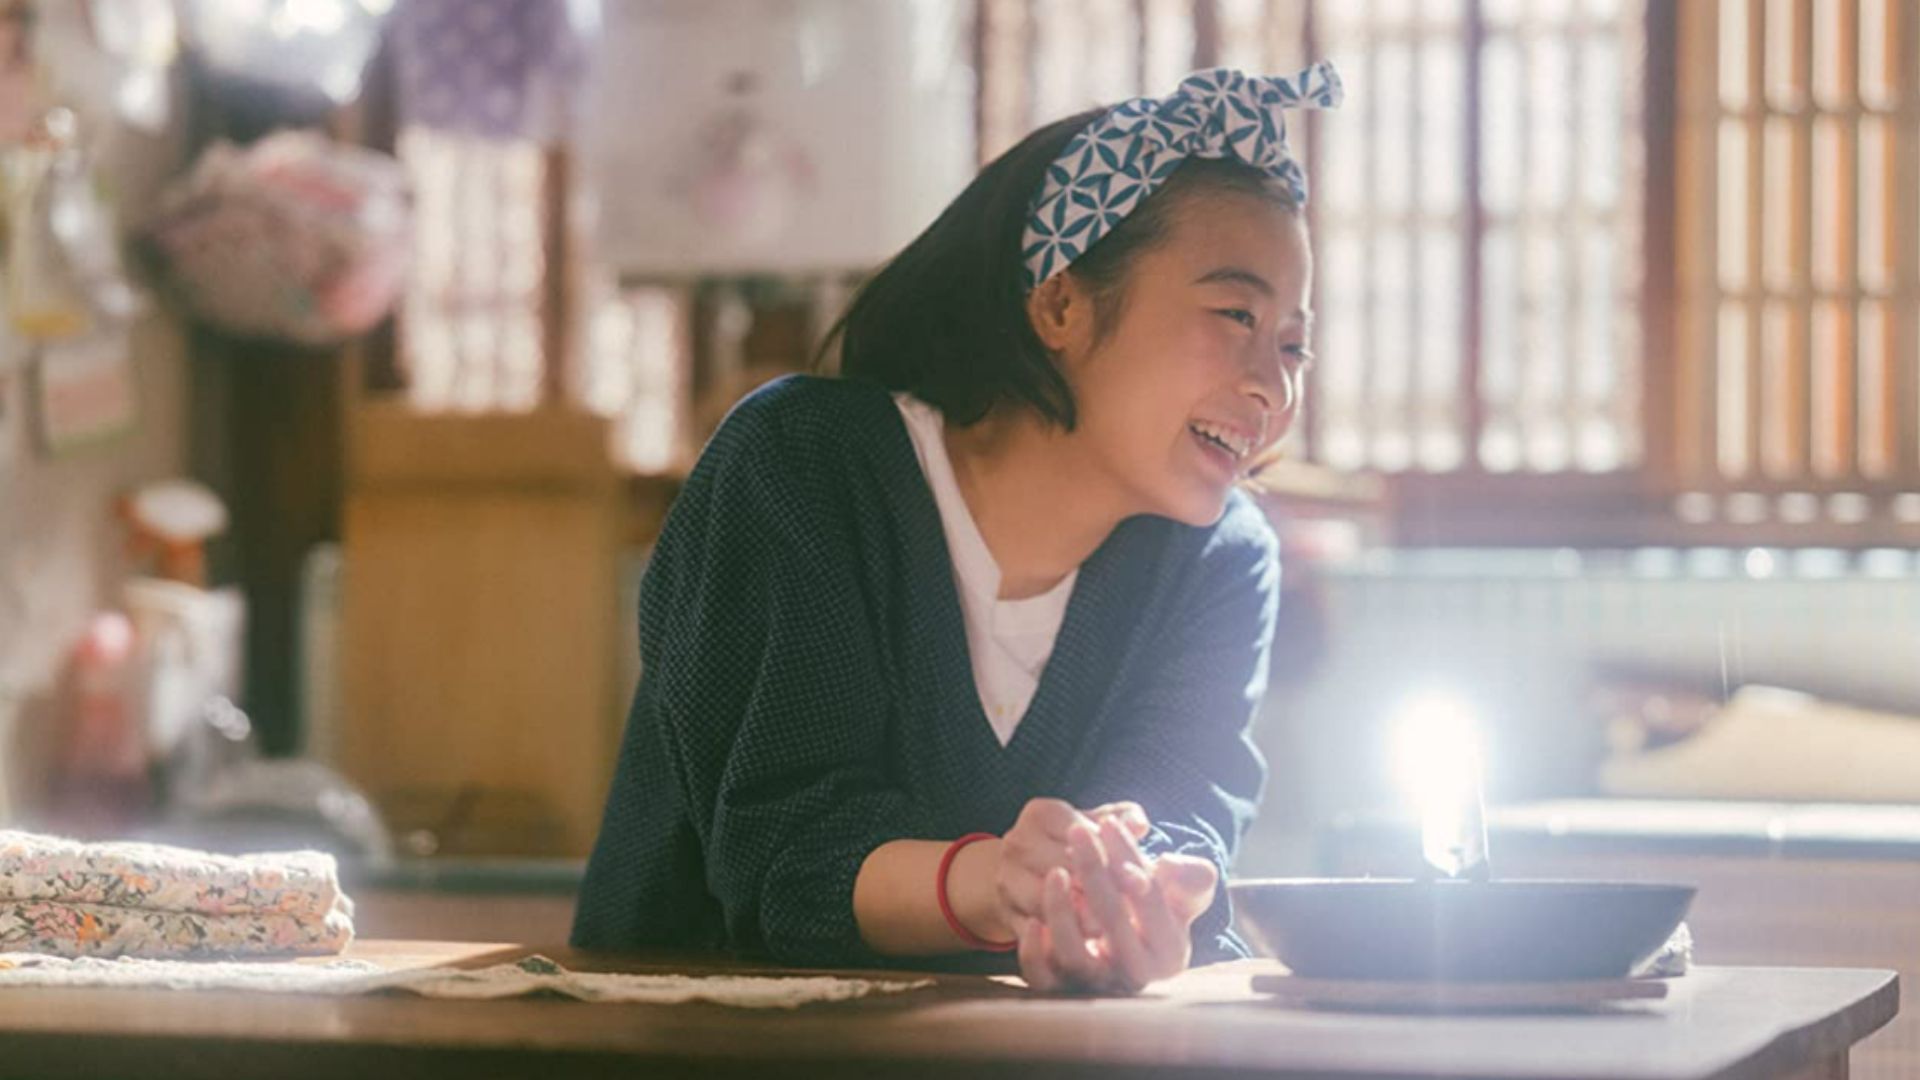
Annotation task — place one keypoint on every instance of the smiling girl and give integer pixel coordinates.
(958, 653)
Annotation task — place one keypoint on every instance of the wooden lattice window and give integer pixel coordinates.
(1795, 387)
(486, 327)
(472, 329)
(1590, 270)
(637, 370)
(1039, 60)
(1478, 223)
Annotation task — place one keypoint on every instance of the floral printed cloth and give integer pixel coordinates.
(302, 884)
(64, 898)
(100, 930)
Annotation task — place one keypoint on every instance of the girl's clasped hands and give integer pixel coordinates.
(1091, 911)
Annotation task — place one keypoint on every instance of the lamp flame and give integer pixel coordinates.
(1437, 758)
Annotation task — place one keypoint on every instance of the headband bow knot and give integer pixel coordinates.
(1109, 168)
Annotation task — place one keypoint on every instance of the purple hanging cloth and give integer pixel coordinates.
(506, 69)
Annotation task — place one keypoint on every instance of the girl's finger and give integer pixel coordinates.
(1134, 966)
(1024, 894)
(1163, 933)
(1089, 923)
(1128, 814)
(1130, 868)
(1086, 861)
(1072, 953)
(1026, 859)
(1036, 960)
(1188, 883)
(1084, 850)
(1048, 817)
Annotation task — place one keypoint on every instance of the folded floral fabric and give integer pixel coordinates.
(153, 877)
(102, 930)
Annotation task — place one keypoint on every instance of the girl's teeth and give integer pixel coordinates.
(1219, 438)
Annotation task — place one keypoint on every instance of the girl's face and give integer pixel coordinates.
(1203, 368)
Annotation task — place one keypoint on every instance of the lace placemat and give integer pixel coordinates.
(534, 975)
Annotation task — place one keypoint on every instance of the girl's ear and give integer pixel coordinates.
(1061, 312)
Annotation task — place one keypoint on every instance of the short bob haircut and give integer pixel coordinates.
(946, 320)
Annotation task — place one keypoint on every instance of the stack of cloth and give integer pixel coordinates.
(64, 898)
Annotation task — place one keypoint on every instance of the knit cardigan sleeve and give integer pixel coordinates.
(1182, 746)
(761, 672)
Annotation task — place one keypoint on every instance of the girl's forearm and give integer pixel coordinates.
(897, 907)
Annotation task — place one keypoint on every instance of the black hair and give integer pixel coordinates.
(946, 319)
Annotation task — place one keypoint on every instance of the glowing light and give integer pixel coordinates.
(1437, 763)
(311, 16)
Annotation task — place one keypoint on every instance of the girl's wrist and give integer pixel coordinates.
(973, 890)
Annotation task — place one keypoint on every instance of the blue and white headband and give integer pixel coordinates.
(1110, 167)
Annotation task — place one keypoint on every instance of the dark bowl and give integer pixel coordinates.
(1520, 931)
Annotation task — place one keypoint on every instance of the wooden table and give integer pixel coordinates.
(1794, 884)
(1716, 1024)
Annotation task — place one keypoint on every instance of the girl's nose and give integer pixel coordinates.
(1273, 387)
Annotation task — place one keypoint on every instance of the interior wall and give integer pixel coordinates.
(61, 551)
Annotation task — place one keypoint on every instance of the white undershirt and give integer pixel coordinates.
(1007, 640)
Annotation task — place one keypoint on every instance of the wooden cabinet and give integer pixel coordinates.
(481, 679)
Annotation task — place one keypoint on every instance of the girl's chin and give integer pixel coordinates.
(1197, 504)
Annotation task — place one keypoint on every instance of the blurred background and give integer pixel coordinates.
(354, 350)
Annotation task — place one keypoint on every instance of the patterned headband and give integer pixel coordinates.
(1119, 159)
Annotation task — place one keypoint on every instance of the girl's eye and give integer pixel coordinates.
(1240, 315)
(1303, 357)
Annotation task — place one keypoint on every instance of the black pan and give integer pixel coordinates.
(1522, 931)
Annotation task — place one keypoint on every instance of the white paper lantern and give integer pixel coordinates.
(776, 135)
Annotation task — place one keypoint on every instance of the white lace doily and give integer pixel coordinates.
(533, 975)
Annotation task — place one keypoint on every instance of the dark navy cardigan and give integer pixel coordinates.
(806, 693)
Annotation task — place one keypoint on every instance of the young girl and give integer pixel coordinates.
(958, 653)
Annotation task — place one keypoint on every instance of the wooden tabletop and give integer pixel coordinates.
(1714, 1024)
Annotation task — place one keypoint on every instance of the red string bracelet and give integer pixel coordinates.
(972, 939)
